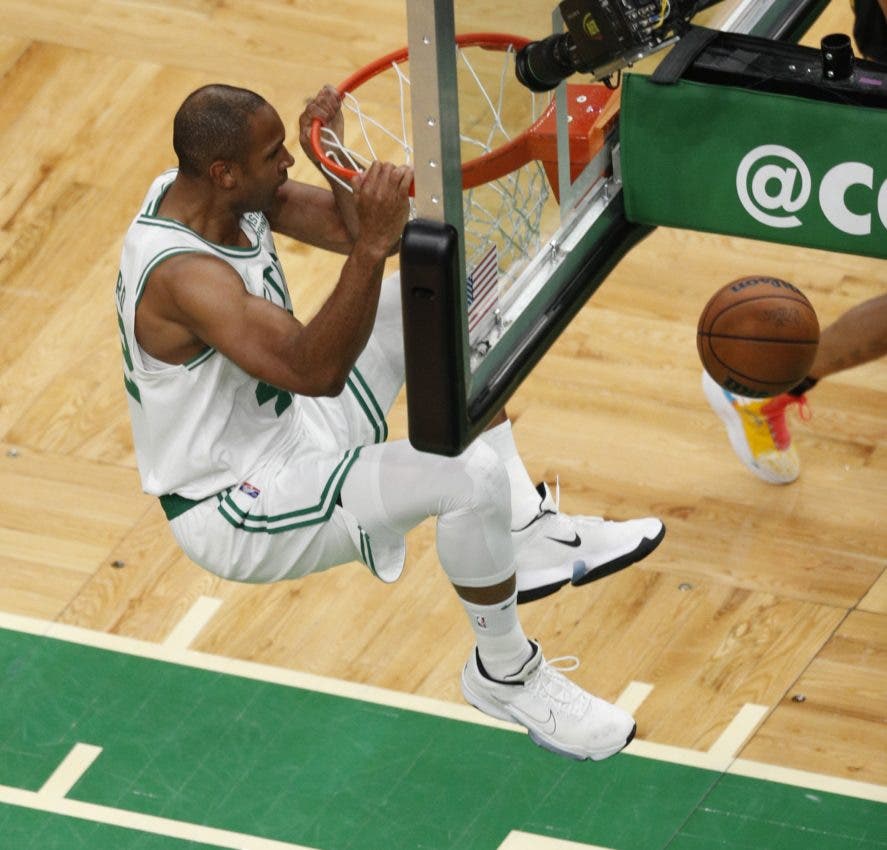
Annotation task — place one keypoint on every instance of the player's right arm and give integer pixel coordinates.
(195, 300)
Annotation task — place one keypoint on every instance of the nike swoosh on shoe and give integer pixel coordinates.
(547, 727)
(574, 543)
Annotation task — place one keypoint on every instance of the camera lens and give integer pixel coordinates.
(541, 65)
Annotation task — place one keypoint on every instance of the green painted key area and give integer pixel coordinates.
(340, 774)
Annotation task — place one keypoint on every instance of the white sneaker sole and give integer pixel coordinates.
(583, 575)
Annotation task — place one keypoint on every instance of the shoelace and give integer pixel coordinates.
(564, 523)
(774, 413)
(551, 683)
(557, 499)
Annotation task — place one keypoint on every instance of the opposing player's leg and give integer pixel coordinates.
(758, 428)
(552, 548)
(390, 489)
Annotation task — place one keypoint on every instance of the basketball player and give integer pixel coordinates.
(265, 437)
(757, 428)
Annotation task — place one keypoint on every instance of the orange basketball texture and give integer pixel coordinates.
(757, 336)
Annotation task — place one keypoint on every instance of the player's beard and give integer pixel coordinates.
(261, 199)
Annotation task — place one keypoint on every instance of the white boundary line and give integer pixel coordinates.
(806, 779)
(716, 761)
(193, 623)
(52, 797)
(248, 669)
(141, 822)
(738, 731)
(632, 697)
(517, 840)
(72, 767)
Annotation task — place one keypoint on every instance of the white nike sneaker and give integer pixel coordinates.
(553, 548)
(557, 713)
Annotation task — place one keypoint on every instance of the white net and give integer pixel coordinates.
(503, 218)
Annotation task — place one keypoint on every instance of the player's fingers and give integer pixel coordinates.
(324, 105)
(363, 179)
(330, 98)
(404, 179)
(376, 177)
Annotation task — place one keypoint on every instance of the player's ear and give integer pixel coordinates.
(223, 173)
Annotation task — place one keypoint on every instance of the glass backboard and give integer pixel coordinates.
(492, 274)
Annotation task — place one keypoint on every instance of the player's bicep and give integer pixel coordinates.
(216, 307)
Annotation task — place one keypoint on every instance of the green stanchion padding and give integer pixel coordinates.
(748, 163)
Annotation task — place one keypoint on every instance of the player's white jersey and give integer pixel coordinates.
(203, 426)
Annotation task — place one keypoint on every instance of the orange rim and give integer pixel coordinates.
(480, 170)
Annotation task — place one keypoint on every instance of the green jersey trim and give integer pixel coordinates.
(270, 282)
(150, 217)
(174, 505)
(311, 515)
(195, 361)
(366, 552)
(171, 173)
(155, 261)
(140, 291)
(365, 398)
(226, 250)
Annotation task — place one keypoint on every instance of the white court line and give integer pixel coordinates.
(805, 779)
(739, 730)
(72, 767)
(193, 623)
(425, 705)
(144, 823)
(676, 755)
(517, 840)
(250, 670)
(634, 694)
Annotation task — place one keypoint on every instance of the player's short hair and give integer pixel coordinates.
(211, 124)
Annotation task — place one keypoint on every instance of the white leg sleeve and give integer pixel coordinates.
(392, 487)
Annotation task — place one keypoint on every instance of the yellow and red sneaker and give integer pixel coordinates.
(758, 430)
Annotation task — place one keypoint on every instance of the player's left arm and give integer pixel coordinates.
(311, 215)
(326, 218)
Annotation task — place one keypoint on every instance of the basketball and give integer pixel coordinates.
(757, 336)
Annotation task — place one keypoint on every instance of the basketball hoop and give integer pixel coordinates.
(537, 142)
(509, 140)
(475, 172)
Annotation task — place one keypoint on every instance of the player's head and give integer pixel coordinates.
(213, 124)
(234, 137)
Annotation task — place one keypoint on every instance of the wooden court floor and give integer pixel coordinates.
(771, 596)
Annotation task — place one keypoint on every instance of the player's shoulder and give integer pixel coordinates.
(156, 192)
(195, 268)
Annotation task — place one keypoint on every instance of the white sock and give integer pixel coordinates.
(501, 643)
(524, 496)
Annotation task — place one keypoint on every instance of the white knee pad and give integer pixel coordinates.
(474, 535)
(392, 487)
